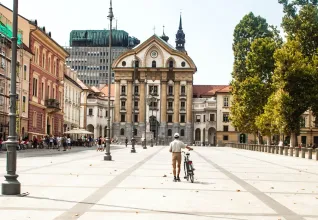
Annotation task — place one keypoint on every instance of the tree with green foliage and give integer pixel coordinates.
(301, 24)
(254, 45)
(249, 29)
(295, 76)
(271, 121)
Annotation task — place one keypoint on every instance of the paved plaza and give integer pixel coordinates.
(230, 184)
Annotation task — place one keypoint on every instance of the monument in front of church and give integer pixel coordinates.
(153, 91)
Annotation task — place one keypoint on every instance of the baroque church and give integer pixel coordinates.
(153, 91)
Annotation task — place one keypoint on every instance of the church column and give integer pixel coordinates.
(163, 111)
(142, 106)
(163, 102)
(176, 107)
(141, 102)
(129, 102)
(189, 125)
(189, 102)
(129, 110)
(116, 127)
(117, 101)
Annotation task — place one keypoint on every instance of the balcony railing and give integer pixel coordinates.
(52, 105)
(154, 108)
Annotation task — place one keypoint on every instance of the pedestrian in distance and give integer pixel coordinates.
(126, 141)
(69, 141)
(99, 144)
(175, 148)
(55, 142)
(64, 142)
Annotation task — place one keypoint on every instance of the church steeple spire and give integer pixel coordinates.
(164, 37)
(180, 23)
(180, 37)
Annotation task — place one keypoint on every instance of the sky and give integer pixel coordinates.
(207, 24)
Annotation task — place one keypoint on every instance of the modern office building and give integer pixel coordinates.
(89, 53)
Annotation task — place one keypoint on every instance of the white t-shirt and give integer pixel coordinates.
(176, 146)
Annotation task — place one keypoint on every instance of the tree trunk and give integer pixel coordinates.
(268, 140)
(259, 139)
(292, 139)
(255, 137)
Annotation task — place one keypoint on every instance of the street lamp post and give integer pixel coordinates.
(150, 102)
(110, 16)
(145, 114)
(11, 185)
(133, 140)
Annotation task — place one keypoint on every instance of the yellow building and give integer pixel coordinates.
(157, 94)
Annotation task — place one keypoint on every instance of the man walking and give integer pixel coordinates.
(175, 149)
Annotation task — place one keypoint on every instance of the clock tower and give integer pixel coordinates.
(180, 38)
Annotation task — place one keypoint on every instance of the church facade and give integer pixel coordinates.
(153, 91)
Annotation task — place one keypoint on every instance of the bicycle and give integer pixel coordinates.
(188, 167)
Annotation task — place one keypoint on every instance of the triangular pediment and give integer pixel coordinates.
(154, 49)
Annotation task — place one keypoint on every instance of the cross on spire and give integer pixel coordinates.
(154, 29)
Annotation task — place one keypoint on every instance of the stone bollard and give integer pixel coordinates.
(286, 151)
(262, 146)
(297, 152)
(309, 153)
(277, 149)
(291, 152)
(273, 149)
(281, 150)
(316, 153)
(303, 152)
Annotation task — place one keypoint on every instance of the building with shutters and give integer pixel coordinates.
(153, 90)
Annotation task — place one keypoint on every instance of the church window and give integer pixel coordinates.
(154, 64)
(123, 63)
(171, 64)
(182, 133)
(183, 64)
(169, 133)
(136, 63)
(122, 131)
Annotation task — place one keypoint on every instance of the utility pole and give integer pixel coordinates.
(145, 113)
(133, 140)
(110, 16)
(11, 185)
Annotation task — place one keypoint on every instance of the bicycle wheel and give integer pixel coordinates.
(191, 177)
(186, 176)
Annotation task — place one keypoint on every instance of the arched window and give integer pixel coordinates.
(135, 132)
(136, 63)
(171, 64)
(197, 134)
(122, 131)
(169, 133)
(182, 132)
(154, 64)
